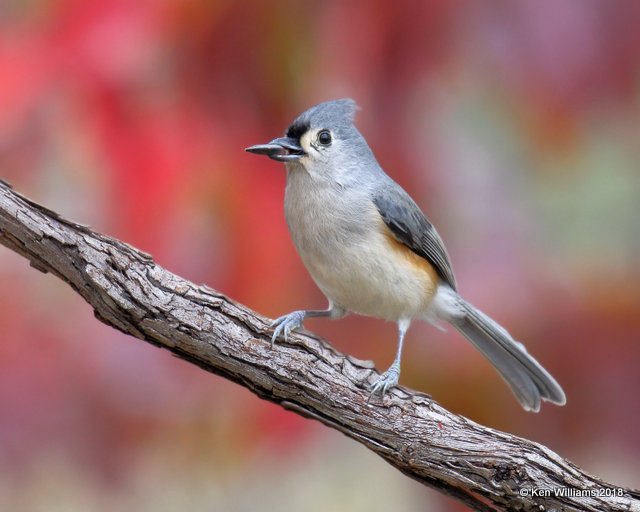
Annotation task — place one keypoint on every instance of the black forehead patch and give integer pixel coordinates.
(298, 129)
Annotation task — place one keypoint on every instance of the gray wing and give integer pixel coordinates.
(410, 227)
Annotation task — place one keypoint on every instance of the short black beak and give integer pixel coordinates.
(283, 149)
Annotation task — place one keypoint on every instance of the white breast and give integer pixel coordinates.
(344, 244)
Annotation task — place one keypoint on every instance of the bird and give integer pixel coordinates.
(372, 251)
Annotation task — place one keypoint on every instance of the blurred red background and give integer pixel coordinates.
(515, 125)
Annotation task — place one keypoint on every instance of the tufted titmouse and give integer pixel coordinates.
(372, 251)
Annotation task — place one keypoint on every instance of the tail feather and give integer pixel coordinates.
(528, 380)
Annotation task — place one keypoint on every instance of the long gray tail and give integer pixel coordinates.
(528, 380)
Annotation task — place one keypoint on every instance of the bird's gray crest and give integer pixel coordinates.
(329, 114)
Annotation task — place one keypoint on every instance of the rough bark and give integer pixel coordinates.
(482, 467)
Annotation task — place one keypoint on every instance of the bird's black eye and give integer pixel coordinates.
(324, 137)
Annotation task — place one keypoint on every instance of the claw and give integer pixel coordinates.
(285, 324)
(385, 382)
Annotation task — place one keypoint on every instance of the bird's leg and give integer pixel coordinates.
(287, 323)
(389, 379)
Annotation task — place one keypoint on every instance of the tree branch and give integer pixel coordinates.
(482, 467)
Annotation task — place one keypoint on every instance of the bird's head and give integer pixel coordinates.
(322, 140)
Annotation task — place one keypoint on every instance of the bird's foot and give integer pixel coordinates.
(385, 382)
(285, 324)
